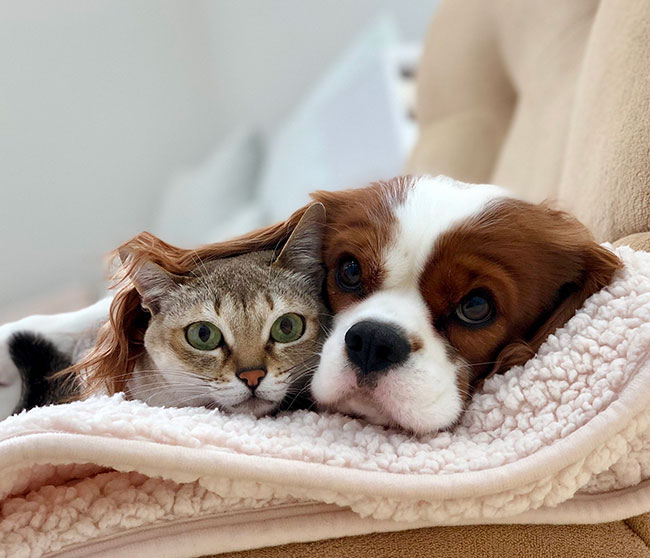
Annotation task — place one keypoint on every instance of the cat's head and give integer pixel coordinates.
(241, 334)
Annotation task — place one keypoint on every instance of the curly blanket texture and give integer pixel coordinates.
(564, 438)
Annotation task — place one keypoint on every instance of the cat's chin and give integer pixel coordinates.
(254, 406)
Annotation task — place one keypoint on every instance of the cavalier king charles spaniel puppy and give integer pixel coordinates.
(436, 285)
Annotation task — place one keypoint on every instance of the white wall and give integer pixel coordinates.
(102, 100)
(270, 52)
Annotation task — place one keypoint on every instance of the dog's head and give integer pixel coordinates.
(434, 284)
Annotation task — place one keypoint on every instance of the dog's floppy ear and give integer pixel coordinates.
(596, 269)
(579, 268)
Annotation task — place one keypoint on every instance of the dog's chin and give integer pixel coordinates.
(380, 408)
(361, 405)
(410, 397)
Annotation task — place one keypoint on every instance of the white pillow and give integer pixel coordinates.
(202, 202)
(343, 134)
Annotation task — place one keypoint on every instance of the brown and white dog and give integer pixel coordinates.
(435, 284)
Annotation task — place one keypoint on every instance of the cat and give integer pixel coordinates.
(241, 334)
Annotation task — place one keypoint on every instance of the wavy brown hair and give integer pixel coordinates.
(120, 341)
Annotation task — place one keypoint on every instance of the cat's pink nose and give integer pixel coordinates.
(251, 377)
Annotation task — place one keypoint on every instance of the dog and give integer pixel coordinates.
(434, 284)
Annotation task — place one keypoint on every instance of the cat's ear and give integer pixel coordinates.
(151, 281)
(302, 251)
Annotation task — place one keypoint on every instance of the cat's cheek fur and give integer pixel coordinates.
(273, 388)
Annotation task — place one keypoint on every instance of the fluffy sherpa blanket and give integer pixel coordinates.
(565, 438)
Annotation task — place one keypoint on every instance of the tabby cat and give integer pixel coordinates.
(241, 334)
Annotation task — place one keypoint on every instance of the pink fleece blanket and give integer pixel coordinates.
(565, 438)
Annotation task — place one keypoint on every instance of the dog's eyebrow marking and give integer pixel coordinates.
(432, 206)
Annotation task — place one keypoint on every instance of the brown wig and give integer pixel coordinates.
(120, 342)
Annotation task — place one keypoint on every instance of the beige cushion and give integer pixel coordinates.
(548, 97)
(622, 539)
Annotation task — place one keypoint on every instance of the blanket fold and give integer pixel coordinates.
(564, 438)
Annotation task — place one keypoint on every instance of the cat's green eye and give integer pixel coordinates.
(287, 328)
(203, 336)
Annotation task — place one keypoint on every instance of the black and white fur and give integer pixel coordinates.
(33, 348)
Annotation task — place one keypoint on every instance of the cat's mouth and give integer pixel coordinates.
(255, 406)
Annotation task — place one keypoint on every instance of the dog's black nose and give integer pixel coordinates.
(375, 346)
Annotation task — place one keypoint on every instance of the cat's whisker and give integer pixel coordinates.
(170, 370)
(299, 387)
(302, 369)
(184, 400)
(179, 372)
(178, 389)
(311, 406)
(481, 363)
(274, 252)
(293, 400)
(303, 374)
(204, 276)
(326, 330)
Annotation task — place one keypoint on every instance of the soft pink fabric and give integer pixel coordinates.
(569, 429)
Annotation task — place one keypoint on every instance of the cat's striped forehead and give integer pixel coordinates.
(241, 288)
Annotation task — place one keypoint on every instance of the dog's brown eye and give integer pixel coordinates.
(475, 309)
(348, 274)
